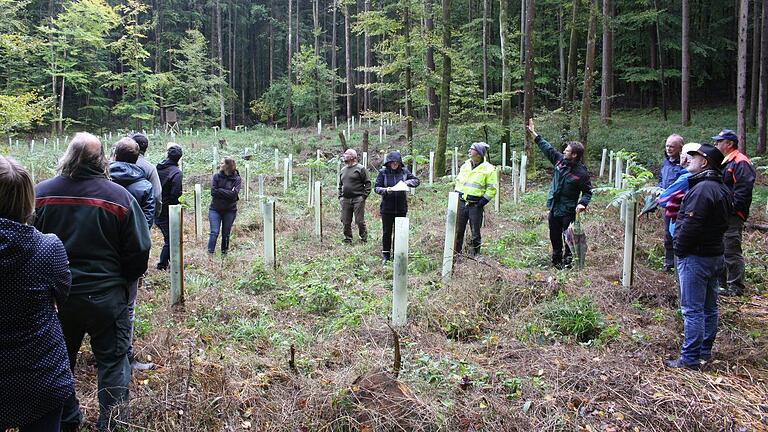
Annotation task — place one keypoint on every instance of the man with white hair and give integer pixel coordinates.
(106, 237)
(354, 188)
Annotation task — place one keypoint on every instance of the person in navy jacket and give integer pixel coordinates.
(393, 204)
(225, 190)
(35, 379)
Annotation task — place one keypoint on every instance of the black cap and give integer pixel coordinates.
(174, 153)
(713, 155)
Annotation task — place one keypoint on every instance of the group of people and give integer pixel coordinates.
(73, 251)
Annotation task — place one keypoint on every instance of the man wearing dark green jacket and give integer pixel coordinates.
(569, 194)
(107, 241)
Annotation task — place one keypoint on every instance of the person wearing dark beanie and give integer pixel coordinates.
(150, 172)
(170, 182)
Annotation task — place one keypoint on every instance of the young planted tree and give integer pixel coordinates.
(586, 98)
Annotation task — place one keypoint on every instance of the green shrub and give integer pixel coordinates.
(573, 317)
(313, 296)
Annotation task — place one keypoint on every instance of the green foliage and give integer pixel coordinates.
(19, 113)
(576, 317)
(314, 297)
(273, 102)
(197, 82)
(312, 92)
(257, 281)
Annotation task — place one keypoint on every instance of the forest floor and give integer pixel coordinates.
(508, 344)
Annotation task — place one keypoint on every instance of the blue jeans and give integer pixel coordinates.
(223, 220)
(698, 302)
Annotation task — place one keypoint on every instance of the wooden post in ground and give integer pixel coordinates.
(268, 213)
(523, 168)
(629, 243)
(176, 221)
(602, 162)
(431, 168)
(198, 212)
(318, 203)
(400, 273)
(451, 217)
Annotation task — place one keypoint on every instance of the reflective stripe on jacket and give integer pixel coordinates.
(478, 182)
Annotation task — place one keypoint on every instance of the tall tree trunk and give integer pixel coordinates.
(271, 46)
(298, 21)
(288, 110)
(741, 84)
(653, 61)
(316, 31)
(430, 62)
(530, 13)
(573, 54)
(367, 60)
(561, 52)
(685, 78)
(348, 62)
(485, 55)
(408, 102)
(333, 58)
(220, 59)
(445, 91)
(756, 36)
(606, 89)
(232, 57)
(762, 115)
(589, 63)
(662, 81)
(506, 84)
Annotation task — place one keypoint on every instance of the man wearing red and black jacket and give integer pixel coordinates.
(106, 237)
(739, 175)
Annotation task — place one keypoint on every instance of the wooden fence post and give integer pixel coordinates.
(400, 273)
(176, 221)
(451, 217)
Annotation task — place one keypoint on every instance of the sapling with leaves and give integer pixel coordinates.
(634, 189)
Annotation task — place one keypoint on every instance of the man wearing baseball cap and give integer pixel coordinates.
(739, 176)
(477, 185)
(698, 244)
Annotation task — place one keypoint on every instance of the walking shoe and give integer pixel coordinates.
(347, 241)
(678, 364)
(669, 269)
(705, 358)
(162, 267)
(137, 365)
(730, 291)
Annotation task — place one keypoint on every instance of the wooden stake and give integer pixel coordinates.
(268, 213)
(400, 273)
(451, 217)
(176, 221)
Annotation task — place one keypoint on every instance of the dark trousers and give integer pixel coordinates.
(472, 214)
(165, 252)
(105, 318)
(223, 220)
(557, 226)
(733, 276)
(388, 233)
(669, 253)
(353, 207)
(49, 422)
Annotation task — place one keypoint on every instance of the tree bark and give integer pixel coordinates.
(606, 89)
(485, 55)
(685, 79)
(506, 104)
(430, 63)
(367, 60)
(316, 31)
(271, 46)
(348, 60)
(333, 58)
(762, 115)
(755, 70)
(561, 52)
(588, 67)
(741, 84)
(530, 14)
(662, 82)
(288, 111)
(222, 109)
(445, 91)
(408, 102)
(573, 55)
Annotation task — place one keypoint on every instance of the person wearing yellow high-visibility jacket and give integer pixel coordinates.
(477, 184)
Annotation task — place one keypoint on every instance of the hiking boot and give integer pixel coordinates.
(347, 241)
(668, 268)
(678, 364)
(730, 291)
(705, 358)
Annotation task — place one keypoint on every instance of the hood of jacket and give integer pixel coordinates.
(165, 164)
(710, 174)
(393, 156)
(16, 245)
(124, 173)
